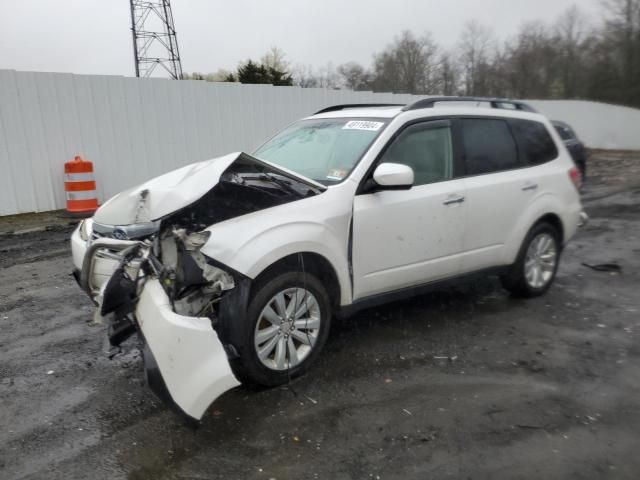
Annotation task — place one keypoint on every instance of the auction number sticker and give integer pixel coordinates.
(363, 125)
(336, 174)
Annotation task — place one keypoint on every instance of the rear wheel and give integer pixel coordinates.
(287, 324)
(537, 263)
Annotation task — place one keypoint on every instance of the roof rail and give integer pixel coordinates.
(494, 102)
(336, 108)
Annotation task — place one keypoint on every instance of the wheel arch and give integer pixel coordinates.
(548, 209)
(310, 262)
(553, 220)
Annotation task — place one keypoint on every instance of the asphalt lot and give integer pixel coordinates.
(463, 383)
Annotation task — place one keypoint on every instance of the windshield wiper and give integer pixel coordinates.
(284, 185)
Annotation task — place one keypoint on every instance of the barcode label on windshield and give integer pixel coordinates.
(363, 125)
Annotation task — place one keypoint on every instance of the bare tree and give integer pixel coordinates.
(449, 75)
(304, 76)
(408, 65)
(569, 58)
(622, 36)
(354, 76)
(307, 76)
(571, 33)
(275, 58)
(328, 77)
(476, 48)
(531, 63)
(221, 75)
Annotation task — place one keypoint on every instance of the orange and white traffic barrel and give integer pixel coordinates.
(80, 186)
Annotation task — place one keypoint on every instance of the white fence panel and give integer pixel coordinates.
(134, 129)
(600, 125)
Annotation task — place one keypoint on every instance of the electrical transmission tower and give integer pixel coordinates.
(154, 38)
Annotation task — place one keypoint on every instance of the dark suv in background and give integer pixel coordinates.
(574, 145)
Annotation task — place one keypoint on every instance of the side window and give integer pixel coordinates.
(563, 132)
(489, 146)
(427, 149)
(535, 144)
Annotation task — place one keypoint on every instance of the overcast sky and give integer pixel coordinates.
(93, 36)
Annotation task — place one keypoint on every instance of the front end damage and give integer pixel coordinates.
(172, 305)
(148, 275)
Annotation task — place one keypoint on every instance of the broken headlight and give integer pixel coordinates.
(196, 241)
(193, 284)
(85, 229)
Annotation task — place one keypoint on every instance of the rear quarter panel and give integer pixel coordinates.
(556, 195)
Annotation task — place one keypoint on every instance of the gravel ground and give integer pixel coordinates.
(463, 383)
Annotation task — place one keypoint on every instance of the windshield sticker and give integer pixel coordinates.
(336, 174)
(363, 125)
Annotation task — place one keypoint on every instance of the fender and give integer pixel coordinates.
(269, 244)
(253, 259)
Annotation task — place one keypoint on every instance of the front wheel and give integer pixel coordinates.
(537, 263)
(287, 324)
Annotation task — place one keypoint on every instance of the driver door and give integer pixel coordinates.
(403, 238)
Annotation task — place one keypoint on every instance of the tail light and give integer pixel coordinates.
(576, 177)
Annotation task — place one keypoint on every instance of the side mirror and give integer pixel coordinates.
(393, 176)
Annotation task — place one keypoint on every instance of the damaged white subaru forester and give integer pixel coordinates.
(232, 269)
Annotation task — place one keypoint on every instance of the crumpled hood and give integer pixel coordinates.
(165, 194)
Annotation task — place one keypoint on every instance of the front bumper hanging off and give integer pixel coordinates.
(187, 356)
(185, 363)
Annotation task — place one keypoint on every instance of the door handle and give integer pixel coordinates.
(453, 199)
(530, 187)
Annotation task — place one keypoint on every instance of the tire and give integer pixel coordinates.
(519, 280)
(271, 371)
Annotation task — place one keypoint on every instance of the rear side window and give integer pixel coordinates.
(534, 142)
(489, 146)
(565, 133)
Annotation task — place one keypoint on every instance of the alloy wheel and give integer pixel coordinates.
(540, 260)
(287, 329)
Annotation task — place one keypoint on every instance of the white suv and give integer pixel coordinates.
(232, 269)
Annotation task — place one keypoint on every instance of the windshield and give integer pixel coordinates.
(325, 150)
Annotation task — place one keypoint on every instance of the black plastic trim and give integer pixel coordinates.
(494, 102)
(409, 292)
(76, 275)
(337, 108)
(232, 309)
(308, 182)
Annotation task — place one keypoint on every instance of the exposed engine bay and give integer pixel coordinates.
(169, 248)
(246, 186)
(193, 285)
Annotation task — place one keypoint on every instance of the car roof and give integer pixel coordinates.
(390, 110)
(435, 111)
(373, 112)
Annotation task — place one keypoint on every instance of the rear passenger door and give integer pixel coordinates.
(499, 188)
